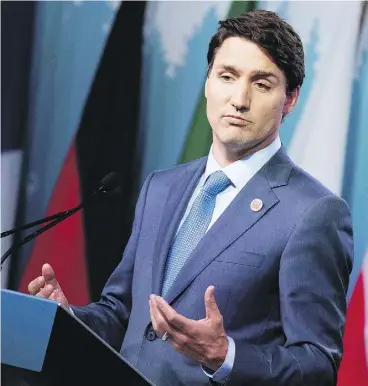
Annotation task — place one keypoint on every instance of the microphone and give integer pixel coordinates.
(109, 185)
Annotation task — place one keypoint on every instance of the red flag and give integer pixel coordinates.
(63, 245)
(354, 366)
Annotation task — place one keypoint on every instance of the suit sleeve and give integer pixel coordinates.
(313, 281)
(110, 315)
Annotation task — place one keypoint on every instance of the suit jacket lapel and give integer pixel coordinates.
(177, 200)
(236, 220)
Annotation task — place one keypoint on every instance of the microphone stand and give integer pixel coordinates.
(108, 186)
(107, 183)
(39, 231)
(34, 223)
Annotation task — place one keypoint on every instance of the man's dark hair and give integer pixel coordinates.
(275, 37)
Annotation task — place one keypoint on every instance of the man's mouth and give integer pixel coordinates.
(235, 116)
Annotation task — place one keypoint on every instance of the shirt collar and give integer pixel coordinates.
(241, 171)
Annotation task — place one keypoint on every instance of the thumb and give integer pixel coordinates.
(49, 275)
(210, 302)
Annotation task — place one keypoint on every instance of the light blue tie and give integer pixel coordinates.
(194, 226)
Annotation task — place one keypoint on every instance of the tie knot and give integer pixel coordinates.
(216, 183)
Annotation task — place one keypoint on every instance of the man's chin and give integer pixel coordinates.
(236, 144)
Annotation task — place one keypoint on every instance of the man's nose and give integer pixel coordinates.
(241, 98)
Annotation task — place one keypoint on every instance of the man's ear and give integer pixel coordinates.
(290, 101)
(205, 87)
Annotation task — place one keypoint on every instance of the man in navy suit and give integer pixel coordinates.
(244, 224)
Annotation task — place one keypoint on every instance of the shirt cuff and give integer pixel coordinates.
(224, 371)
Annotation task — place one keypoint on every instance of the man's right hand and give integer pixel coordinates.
(46, 286)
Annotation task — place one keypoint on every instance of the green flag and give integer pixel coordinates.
(199, 137)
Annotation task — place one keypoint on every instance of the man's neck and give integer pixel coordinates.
(225, 156)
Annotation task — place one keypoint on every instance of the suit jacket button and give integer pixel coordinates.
(151, 335)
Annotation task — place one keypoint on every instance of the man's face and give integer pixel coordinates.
(246, 98)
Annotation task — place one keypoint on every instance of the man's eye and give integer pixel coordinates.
(226, 78)
(263, 86)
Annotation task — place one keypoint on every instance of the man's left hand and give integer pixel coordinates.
(205, 340)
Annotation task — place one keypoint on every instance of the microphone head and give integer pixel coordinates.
(110, 184)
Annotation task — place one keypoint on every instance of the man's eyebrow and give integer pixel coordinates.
(229, 68)
(256, 74)
(260, 74)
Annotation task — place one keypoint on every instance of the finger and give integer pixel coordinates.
(210, 304)
(159, 323)
(185, 345)
(46, 292)
(35, 285)
(59, 295)
(153, 318)
(187, 349)
(49, 275)
(53, 296)
(174, 319)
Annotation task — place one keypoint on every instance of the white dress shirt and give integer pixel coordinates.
(239, 173)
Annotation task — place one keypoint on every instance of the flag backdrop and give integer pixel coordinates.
(83, 124)
(73, 129)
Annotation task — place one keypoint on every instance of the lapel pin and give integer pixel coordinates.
(256, 205)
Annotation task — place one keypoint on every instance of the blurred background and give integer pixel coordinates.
(93, 87)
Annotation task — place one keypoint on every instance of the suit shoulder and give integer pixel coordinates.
(282, 171)
(301, 176)
(311, 189)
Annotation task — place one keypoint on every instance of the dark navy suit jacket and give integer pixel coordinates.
(280, 276)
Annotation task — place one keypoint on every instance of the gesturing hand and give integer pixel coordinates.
(46, 286)
(205, 340)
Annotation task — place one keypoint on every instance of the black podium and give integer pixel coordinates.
(42, 344)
